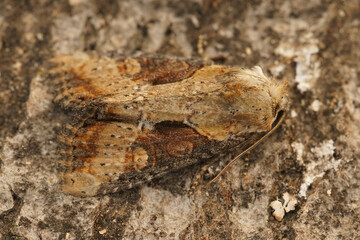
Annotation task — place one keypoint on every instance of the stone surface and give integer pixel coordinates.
(314, 155)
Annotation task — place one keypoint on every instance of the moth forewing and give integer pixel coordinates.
(140, 118)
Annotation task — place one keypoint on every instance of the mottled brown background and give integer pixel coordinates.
(314, 45)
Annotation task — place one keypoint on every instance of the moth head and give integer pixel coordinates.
(266, 93)
(280, 101)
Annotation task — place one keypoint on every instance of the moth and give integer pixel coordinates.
(137, 118)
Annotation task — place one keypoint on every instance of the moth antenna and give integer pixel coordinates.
(247, 150)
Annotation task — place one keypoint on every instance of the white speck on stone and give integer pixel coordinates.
(328, 192)
(277, 69)
(280, 209)
(279, 212)
(325, 150)
(248, 51)
(299, 150)
(307, 70)
(341, 13)
(40, 36)
(315, 105)
(227, 32)
(305, 76)
(308, 181)
(316, 169)
(194, 20)
(17, 66)
(293, 114)
(290, 202)
(103, 231)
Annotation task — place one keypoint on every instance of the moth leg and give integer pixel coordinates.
(199, 177)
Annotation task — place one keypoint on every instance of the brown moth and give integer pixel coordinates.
(135, 119)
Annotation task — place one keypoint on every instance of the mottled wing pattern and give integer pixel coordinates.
(96, 154)
(86, 79)
(135, 119)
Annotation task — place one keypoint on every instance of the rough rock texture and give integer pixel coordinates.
(314, 156)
